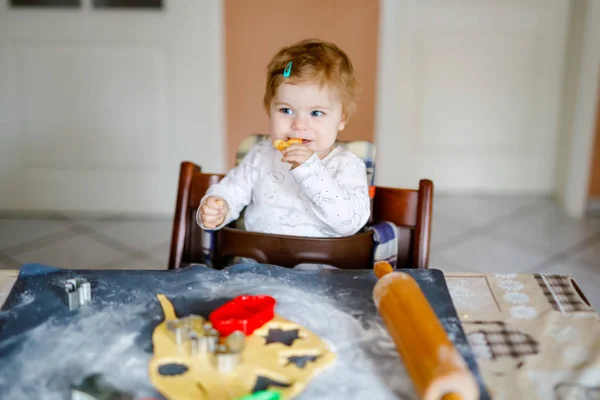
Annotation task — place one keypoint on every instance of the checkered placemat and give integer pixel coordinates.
(561, 293)
(541, 339)
(503, 341)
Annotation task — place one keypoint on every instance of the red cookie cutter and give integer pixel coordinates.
(244, 313)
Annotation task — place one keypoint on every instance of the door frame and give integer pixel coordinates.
(575, 191)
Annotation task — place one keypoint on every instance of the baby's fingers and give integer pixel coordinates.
(211, 218)
(215, 202)
(297, 156)
(211, 222)
(207, 210)
(295, 147)
(210, 225)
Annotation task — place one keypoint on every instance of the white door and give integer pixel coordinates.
(99, 107)
(469, 94)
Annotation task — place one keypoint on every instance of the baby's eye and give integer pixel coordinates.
(317, 113)
(285, 110)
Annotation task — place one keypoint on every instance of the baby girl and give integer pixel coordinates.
(311, 188)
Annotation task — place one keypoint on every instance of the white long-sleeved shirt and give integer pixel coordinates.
(326, 197)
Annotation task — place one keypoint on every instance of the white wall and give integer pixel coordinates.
(577, 17)
(580, 132)
(469, 94)
(179, 53)
(98, 108)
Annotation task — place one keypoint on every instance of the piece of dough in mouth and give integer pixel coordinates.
(281, 144)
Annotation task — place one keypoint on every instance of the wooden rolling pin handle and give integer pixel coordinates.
(452, 396)
(436, 368)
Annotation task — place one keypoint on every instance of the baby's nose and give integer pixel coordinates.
(300, 124)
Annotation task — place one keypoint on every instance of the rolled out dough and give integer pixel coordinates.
(267, 361)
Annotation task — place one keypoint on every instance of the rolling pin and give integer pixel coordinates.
(434, 365)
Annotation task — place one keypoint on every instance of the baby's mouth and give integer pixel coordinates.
(304, 141)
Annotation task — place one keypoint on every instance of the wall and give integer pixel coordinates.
(98, 108)
(576, 184)
(253, 36)
(594, 188)
(570, 81)
(194, 47)
(470, 94)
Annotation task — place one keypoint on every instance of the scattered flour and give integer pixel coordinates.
(114, 339)
(53, 356)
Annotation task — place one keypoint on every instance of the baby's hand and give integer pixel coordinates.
(213, 211)
(297, 154)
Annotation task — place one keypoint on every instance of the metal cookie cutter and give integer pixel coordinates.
(228, 355)
(178, 330)
(203, 342)
(188, 329)
(211, 337)
(78, 292)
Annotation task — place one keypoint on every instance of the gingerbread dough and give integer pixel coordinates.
(281, 355)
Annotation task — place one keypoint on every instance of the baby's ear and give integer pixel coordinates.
(342, 123)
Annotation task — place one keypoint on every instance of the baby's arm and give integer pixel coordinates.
(340, 200)
(235, 189)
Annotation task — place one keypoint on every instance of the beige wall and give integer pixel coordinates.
(255, 30)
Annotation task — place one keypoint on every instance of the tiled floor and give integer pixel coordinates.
(470, 234)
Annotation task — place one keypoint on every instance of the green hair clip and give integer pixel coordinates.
(288, 70)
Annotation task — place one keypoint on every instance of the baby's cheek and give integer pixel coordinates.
(327, 136)
(278, 127)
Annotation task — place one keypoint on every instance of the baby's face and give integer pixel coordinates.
(308, 112)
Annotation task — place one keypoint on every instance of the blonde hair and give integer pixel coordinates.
(317, 61)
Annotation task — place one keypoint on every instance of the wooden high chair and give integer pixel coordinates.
(409, 209)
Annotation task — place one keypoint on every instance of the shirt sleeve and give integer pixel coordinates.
(339, 199)
(235, 188)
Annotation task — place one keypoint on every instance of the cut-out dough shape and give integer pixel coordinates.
(282, 336)
(301, 361)
(264, 383)
(172, 369)
(262, 366)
